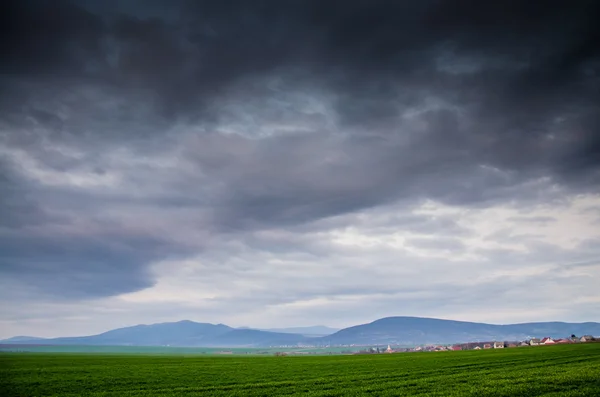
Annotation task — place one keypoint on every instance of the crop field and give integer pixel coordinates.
(566, 370)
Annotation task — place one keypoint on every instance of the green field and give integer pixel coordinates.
(566, 370)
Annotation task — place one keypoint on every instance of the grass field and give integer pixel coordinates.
(566, 370)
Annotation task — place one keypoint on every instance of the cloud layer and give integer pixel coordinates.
(291, 163)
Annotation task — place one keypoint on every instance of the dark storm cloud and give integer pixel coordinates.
(376, 46)
(378, 56)
(74, 267)
(459, 101)
(72, 254)
(15, 208)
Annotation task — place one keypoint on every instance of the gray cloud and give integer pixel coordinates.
(443, 244)
(138, 132)
(533, 219)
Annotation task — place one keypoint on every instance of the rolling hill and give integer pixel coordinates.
(181, 333)
(22, 339)
(417, 330)
(389, 330)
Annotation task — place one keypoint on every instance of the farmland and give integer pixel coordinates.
(566, 370)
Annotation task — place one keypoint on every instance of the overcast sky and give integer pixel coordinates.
(289, 163)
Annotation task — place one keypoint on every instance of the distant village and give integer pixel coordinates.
(436, 347)
(483, 345)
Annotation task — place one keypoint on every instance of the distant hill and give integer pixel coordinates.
(316, 330)
(417, 330)
(181, 333)
(22, 339)
(390, 330)
(256, 338)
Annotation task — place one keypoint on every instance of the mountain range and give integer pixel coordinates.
(389, 330)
